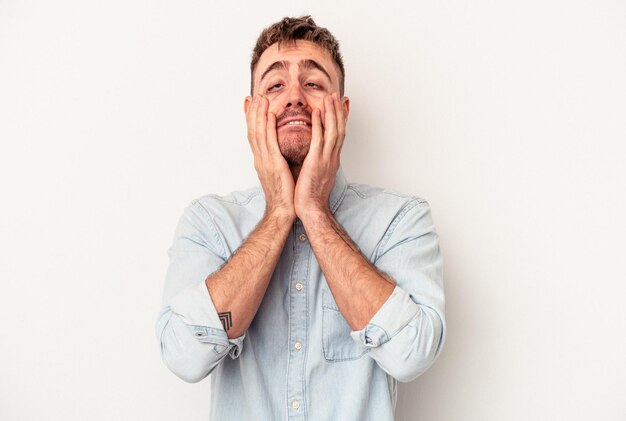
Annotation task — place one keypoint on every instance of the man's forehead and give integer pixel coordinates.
(294, 53)
(304, 64)
(293, 48)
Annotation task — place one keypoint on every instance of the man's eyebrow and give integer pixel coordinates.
(306, 64)
(312, 64)
(275, 66)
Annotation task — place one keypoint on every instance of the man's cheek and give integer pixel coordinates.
(275, 97)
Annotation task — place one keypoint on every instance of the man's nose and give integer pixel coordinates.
(295, 98)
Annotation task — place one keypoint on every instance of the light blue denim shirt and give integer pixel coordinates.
(299, 359)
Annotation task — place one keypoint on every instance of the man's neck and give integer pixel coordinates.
(295, 171)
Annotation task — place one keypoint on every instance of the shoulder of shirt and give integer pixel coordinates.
(238, 198)
(370, 193)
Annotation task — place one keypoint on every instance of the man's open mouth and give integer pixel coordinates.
(296, 123)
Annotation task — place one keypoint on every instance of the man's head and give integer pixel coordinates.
(289, 30)
(295, 64)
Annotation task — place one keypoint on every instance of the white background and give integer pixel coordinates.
(508, 117)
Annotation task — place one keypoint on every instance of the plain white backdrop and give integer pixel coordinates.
(508, 117)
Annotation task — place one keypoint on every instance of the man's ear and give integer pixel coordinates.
(246, 104)
(345, 101)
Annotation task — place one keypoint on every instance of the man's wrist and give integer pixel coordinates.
(282, 216)
(314, 215)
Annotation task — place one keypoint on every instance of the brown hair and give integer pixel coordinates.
(292, 29)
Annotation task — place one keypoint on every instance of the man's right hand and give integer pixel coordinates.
(272, 168)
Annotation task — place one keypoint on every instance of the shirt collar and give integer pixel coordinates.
(336, 195)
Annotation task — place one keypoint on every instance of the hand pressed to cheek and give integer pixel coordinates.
(341, 123)
(261, 119)
(330, 132)
(333, 121)
(319, 169)
(271, 167)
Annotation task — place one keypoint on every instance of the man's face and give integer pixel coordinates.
(295, 80)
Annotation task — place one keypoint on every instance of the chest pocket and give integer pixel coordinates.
(337, 344)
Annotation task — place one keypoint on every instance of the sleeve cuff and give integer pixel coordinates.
(222, 343)
(195, 307)
(395, 314)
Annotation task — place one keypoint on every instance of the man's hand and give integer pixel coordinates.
(270, 165)
(319, 169)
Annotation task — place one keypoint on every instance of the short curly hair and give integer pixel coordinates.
(292, 29)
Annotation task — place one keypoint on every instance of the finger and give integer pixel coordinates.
(317, 136)
(261, 123)
(323, 115)
(330, 126)
(341, 124)
(270, 135)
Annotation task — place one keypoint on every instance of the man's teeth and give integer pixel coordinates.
(297, 122)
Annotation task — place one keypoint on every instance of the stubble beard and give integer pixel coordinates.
(295, 147)
(295, 141)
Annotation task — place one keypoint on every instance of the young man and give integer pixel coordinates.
(308, 297)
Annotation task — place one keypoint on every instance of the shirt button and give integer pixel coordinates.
(295, 404)
(299, 286)
(298, 346)
(302, 237)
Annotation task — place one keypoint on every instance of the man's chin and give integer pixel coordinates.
(295, 149)
(294, 158)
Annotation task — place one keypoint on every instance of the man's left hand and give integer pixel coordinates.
(319, 169)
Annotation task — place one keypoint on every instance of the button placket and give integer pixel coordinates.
(298, 323)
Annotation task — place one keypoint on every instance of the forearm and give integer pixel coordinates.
(237, 289)
(358, 287)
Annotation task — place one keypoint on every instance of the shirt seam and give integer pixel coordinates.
(394, 334)
(212, 225)
(251, 196)
(416, 202)
(335, 205)
(355, 188)
(357, 191)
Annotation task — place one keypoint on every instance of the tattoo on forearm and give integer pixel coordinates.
(226, 319)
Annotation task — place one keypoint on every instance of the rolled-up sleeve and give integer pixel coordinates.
(407, 333)
(192, 338)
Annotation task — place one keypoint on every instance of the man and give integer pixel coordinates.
(309, 297)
